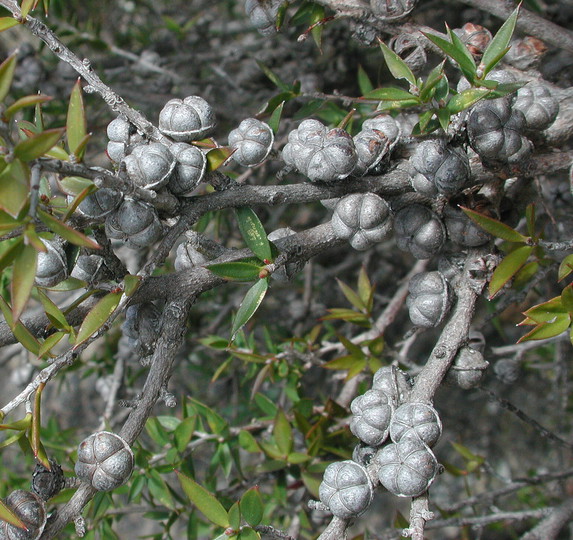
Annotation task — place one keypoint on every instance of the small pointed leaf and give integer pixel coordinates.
(22, 334)
(236, 271)
(6, 75)
(495, 227)
(65, 231)
(97, 317)
(76, 125)
(7, 515)
(390, 93)
(546, 330)
(14, 187)
(217, 157)
(466, 99)
(7, 22)
(26, 101)
(468, 67)
(282, 433)
(23, 279)
(254, 233)
(249, 305)
(500, 42)
(276, 117)
(252, 506)
(510, 265)
(397, 66)
(37, 145)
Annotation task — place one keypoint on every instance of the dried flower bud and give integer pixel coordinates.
(429, 299)
(105, 461)
(495, 132)
(371, 412)
(537, 104)
(190, 167)
(32, 512)
(362, 218)
(186, 120)
(263, 15)
(475, 37)
(346, 489)
(100, 203)
(150, 165)
(391, 10)
(407, 468)
(51, 266)
(525, 53)
(467, 369)
(418, 420)
(136, 223)
(320, 154)
(252, 142)
(393, 382)
(418, 230)
(436, 167)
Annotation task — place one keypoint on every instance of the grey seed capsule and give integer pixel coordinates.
(537, 104)
(136, 223)
(371, 414)
(119, 130)
(190, 167)
(393, 382)
(387, 125)
(31, 510)
(429, 299)
(105, 461)
(187, 256)
(462, 230)
(263, 15)
(150, 165)
(89, 268)
(391, 10)
(100, 203)
(252, 142)
(188, 119)
(51, 266)
(346, 489)
(416, 420)
(363, 219)
(418, 230)
(467, 369)
(407, 468)
(371, 146)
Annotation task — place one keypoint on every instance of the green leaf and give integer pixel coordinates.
(467, 66)
(14, 187)
(352, 297)
(130, 284)
(23, 279)
(26, 101)
(434, 77)
(234, 517)
(65, 231)
(217, 157)
(390, 93)
(248, 442)
(466, 99)
(205, 501)
(19, 425)
(566, 267)
(276, 117)
(546, 330)
(236, 271)
(248, 534)
(273, 77)
(254, 233)
(7, 515)
(530, 219)
(7, 223)
(76, 125)
(494, 227)
(74, 185)
(35, 441)
(50, 342)
(364, 82)
(27, 6)
(184, 432)
(469, 62)
(343, 363)
(443, 117)
(508, 268)
(282, 433)
(7, 22)
(22, 334)
(159, 490)
(567, 298)
(499, 44)
(249, 305)
(97, 317)
(544, 312)
(37, 145)
(252, 506)
(6, 75)
(397, 66)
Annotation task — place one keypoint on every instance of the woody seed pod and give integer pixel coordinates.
(537, 104)
(418, 230)
(429, 299)
(390, 10)
(475, 37)
(122, 136)
(393, 382)
(436, 167)
(418, 420)
(371, 146)
(462, 230)
(346, 489)
(525, 53)
(362, 218)
(47, 483)
(252, 142)
(320, 154)
(105, 461)
(150, 165)
(407, 468)
(89, 268)
(467, 369)
(190, 166)
(136, 223)
(186, 120)
(100, 203)
(495, 132)
(386, 125)
(263, 15)
(51, 266)
(371, 412)
(411, 50)
(32, 512)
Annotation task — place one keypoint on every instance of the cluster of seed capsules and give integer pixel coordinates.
(395, 450)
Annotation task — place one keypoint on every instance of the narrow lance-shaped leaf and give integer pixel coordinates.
(218, 157)
(364, 82)
(53, 312)
(97, 317)
(23, 279)
(252, 506)
(466, 99)
(276, 117)
(7, 22)
(22, 334)
(397, 66)
(236, 271)
(495, 227)
(76, 125)
(27, 6)
(6, 514)
(249, 305)
(6, 75)
(71, 235)
(37, 145)
(510, 265)
(282, 433)
(390, 93)
(460, 46)
(468, 67)
(26, 101)
(547, 330)
(499, 44)
(14, 187)
(35, 442)
(254, 233)
(205, 501)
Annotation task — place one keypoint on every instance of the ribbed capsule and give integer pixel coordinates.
(390, 10)
(252, 142)
(188, 119)
(52, 266)
(105, 461)
(346, 489)
(263, 15)
(419, 230)
(363, 219)
(468, 368)
(31, 510)
(150, 165)
(393, 382)
(190, 167)
(100, 203)
(537, 104)
(462, 230)
(429, 299)
(135, 223)
(371, 415)
(416, 420)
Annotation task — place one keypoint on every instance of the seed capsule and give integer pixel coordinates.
(418, 230)
(462, 230)
(31, 510)
(393, 382)
(89, 268)
(105, 461)
(363, 219)
(537, 104)
(416, 420)
(186, 120)
(468, 368)
(263, 15)
(100, 203)
(371, 412)
(429, 299)
(252, 142)
(136, 223)
(391, 10)
(51, 266)
(150, 165)
(190, 167)
(371, 146)
(346, 489)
